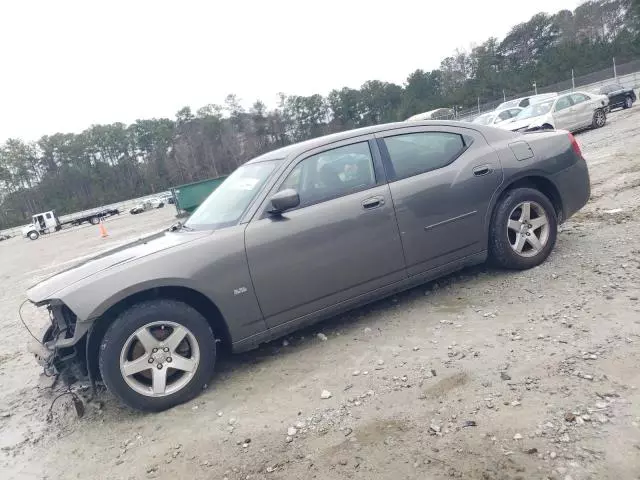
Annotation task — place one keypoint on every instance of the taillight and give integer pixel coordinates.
(575, 146)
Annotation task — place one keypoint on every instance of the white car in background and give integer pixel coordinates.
(570, 111)
(497, 116)
(523, 102)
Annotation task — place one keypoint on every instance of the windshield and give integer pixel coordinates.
(485, 119)
(536, 110)
(228, 202)
(509, 104)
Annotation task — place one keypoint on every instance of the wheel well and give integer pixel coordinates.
(544, 186)
(191, 297)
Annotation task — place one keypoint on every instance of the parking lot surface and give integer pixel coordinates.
(483, 374)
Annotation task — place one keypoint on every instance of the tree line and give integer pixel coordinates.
(105, 164)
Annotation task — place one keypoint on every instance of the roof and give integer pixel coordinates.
(297, 148)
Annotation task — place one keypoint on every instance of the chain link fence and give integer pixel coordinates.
(628, 74)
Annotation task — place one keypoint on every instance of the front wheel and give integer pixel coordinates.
(628, 102)
(523, 229)
(599, 118)
(33, 235)
(157, 354)
(94, 220)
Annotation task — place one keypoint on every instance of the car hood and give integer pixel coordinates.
(527, 122)
(129, 252)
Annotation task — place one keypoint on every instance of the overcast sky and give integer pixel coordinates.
(68, 64)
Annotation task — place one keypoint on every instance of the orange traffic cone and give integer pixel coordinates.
(103, 230)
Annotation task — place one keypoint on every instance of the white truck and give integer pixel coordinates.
(48, 222)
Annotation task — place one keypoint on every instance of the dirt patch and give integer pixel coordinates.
(445, 385)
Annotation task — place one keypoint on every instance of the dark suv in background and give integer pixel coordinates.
(619, 97)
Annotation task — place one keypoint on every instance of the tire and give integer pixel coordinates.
(504, 240)
(546, 126)
(121, 346)
(628, 103)
(599, 118)
(33, 235)
(94, 220)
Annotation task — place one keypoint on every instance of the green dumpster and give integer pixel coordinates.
(189, 197)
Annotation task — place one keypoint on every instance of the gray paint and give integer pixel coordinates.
(269, 274)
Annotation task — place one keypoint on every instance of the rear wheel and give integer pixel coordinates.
(599, 118)
(33, 235)
(523, 229)
(94, 220)
(157, 354)
(628, 102)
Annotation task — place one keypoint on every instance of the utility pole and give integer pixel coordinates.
(535, 87)
(615, 73)
(478, 104)
(573, 81)
(504, 97)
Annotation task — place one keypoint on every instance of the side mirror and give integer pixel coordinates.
(284, 200)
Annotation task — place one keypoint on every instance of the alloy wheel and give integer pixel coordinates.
(528, 229)
(600, 118)
(159, 359)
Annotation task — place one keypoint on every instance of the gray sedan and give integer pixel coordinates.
(300, 234)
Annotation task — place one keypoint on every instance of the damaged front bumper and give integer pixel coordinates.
(44, 356)
(61, 350)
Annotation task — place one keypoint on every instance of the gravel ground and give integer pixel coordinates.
(483, 374)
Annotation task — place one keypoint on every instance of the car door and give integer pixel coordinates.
(341, 242)
(582, 109)
(616, 96)
(563, 115)
(50, 220)
(441, 181)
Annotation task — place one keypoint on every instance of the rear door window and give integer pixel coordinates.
(579, 98)
(415, 153)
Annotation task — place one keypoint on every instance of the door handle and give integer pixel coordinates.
(481, 170)
(372, 202)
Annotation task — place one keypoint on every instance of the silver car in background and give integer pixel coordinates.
(570, 111)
